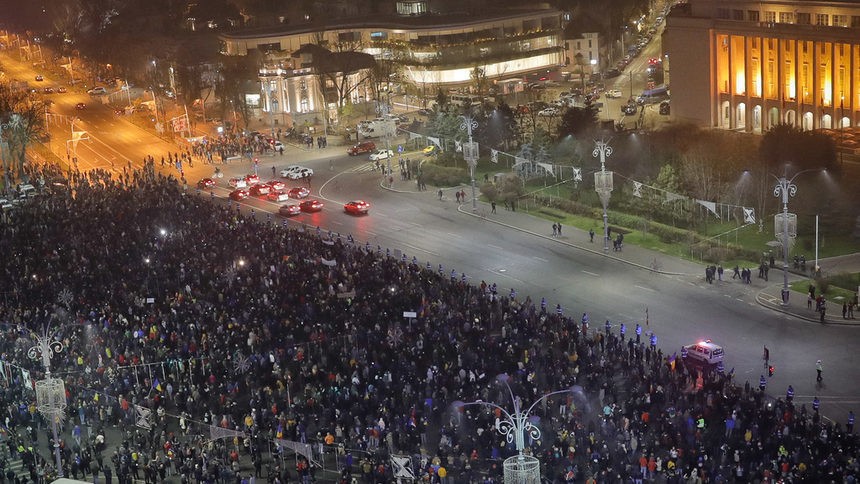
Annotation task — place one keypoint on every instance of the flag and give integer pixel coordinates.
(637, 189)
(749, 215)
(494, 156)
(156, 385)
(280, 433)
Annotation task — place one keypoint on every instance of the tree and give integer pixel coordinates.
(802, 149)
(577, 121)
(228, 84)
(479, 80)
(23, 120)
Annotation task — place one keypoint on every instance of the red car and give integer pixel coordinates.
(311, 206)
(356, 207)
(206, 184)
(363, 147)
(276, 185)
(239, 194)
(299, 192)
(289, 210)
(260, 190)
(252, 179)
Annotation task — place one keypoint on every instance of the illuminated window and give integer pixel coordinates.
(770, 17)
(786, 17)
(840, 21)
(822, 19)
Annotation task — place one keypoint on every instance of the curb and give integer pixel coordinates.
(766, 301)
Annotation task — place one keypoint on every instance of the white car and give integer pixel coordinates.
(237, 183)
(278, 146)
(381, 155)
(301, 173)
(285, 173)
(97, 91)
(613, 93)
(548, 112)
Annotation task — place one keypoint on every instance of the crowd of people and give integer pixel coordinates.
(202, 344)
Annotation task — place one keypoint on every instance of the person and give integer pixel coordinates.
(591, 235)
(554, 230)
(493, 207)
(849, 427)
(762, 383)
(789, 394)
(273, 171)
(816, 403)
(737, 273)
(818, 369)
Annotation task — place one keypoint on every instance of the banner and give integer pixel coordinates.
(494, 156)
(216, 432)
(433, 140)
(712, 206)
(329, 263)
(749, 215)
(637, 189)
(547, 167)
(142, 417)
(577, 174)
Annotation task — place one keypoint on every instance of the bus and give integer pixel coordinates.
(650, 96)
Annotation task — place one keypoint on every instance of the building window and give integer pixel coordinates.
(840, 21)
(822, 19)
(578, 45)
(786, 18)
(770, 17)
(804, 19)
(855, 21)
(723, 13)
(737, 15)
(752, 15)
(589, 43)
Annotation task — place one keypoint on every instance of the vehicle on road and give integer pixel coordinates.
(239, 194)
(704, 352)
(97, 91)
(311, 206)
(237, 183)
(252, 179)
(425, 112)
(48, 90)
(363, 147)
(356, 207)
(206, 184)
(276, 185)
(550, 111)
(289, 210)
(260, 190)
(278, 196)
(613, 94)
(39, 78)
(301, 173)
(381, 155)
(629, 109)
(298, 192)
(80, 106)
(665, 108)
(285, 173)
(61, 89)
(430, 150)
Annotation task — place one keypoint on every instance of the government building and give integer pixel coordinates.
(748, 66)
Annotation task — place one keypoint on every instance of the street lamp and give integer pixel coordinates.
(50, 392)
(470, 153)
(603, 184)
(785, 224)
(514, 425)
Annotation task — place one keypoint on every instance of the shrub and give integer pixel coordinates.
(444, 176)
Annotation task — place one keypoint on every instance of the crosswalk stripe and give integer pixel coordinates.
(364, 167)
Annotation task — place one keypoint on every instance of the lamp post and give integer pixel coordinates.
(50, 392)
(785, 224)
(470, 153)
(603, 184)
(514, 425)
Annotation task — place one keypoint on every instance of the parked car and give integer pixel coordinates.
(237, 183)
(381, 155)
(550, 111)
(285, 173)
(356, 207)
(613, 94)
(363, 147)
(278, 196)
(97, 91)
(430, 150)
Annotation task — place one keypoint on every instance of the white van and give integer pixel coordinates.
(705, 352)
(26, 191)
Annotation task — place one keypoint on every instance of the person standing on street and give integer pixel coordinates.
(818, 368)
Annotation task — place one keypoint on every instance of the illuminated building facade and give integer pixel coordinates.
(432, 50)
(749, 66)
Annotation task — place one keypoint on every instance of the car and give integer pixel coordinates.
(285, 173)
(278, 196)
(276, 185)
(97, 91)
(289, 210)
(277, 146)
(119, 111)
(260, 190)
(298, 192)
(363, 147)
(430, 150)
(613, 93)
(425, 112)
(206, 183)
(311, 206)
(301, 173)
(381, 155)
(48, 90)
(62, 89)
(239, 194)
(704, 352)
(237, 183)
(39, 78)
(252, 179)
(356, 207)
(80, 106)
(629, 108)
(550, 111)
(614, 72)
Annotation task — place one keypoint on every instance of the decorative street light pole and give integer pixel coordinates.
(470, 154)
(50, 392)
(521, 468)
(603, 184)
(785, 224)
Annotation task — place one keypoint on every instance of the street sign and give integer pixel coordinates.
(400, 148)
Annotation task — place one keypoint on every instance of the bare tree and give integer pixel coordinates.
(23, 120)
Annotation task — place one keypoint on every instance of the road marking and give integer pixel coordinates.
(645, 288)
(539, 258)
(494, 247)
(454, 235)
(422, 250)
(335, 222)
(591, 274)
(501, 273)
(370, 233)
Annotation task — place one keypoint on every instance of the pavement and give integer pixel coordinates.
(767, 293)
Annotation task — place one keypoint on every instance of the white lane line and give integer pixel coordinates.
(645, 288)
(370, 233)
(591, 274)
(539, 258)
(422, 250)
(494, 247)
(335, 222)
(455, 235)
(506, 275)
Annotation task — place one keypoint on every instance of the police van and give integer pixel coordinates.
(703, 352)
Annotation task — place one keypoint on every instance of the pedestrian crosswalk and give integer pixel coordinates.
(17, 468)
(364, 167)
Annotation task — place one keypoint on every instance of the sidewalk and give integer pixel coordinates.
(767, 294)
